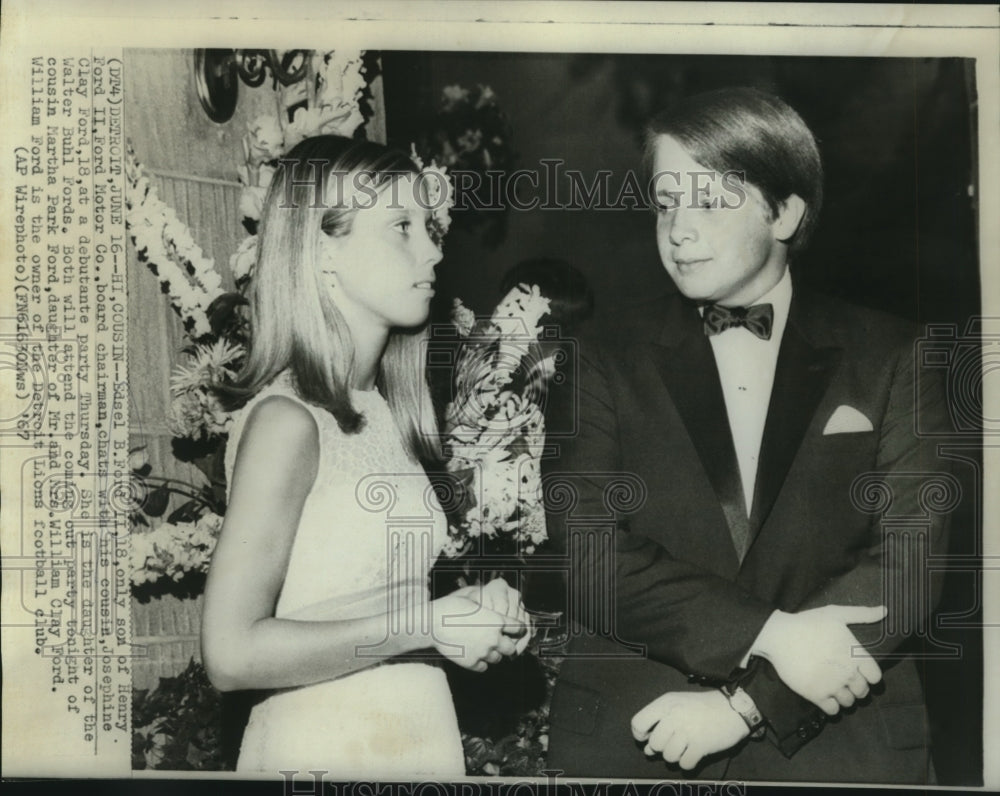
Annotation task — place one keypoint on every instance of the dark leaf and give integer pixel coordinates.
(190, 450)
(156, 501)
(206, 464)
(189, 586)
(217, 474)
(189, 712)
(221, 312)
(519, 762)
(189, 512)
(478, 752)
(517, 447)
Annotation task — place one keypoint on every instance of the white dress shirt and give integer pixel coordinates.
(746, 369)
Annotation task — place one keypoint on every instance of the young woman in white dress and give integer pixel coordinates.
(318, 590)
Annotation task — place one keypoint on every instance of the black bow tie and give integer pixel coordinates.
(759, 319)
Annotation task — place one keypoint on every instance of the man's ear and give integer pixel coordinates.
(788, 218)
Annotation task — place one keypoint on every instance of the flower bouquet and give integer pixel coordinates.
(495, 428)
(494, 441)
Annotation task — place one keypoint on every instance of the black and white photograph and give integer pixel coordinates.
(543, 408)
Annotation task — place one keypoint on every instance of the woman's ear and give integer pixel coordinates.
(788, 218)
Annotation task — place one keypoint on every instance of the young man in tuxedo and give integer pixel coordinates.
(741, 617)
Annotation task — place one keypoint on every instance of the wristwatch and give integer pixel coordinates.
(742, 703)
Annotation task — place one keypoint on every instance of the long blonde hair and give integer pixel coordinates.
(295, 324)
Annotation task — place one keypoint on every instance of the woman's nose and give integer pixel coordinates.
(431, 251)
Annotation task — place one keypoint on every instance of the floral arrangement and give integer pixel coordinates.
(495, 429)
(165, 245)
(195, 411)
(469, 132)
(168, 552)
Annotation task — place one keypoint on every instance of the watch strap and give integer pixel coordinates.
(742, 703)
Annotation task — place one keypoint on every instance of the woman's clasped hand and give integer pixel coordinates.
(480, 625)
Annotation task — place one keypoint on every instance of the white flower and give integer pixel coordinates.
(304, 124)
(486, 96)
(452, 96)
(523, 306)
(137, 458)
(185, 417)
(252, 202)
(174, 549)
(142, 550)
(545, 368)
(529, 477)
(264, 175)
(197, 413)
(462, 317)
(242, 263)
(146, 237)
(264, 141)
(495, 486)
(470, 140)
(532, 527)
(211, 523)
(341, 118)
(157, 741)
(439, 193)
(208, 365)
(417, 160)
(342, 84)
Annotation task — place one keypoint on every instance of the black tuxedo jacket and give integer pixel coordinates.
(646, 497)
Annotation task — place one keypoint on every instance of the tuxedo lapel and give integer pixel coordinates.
(686, 364)
(802, 374)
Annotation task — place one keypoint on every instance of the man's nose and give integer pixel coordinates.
(681, 227)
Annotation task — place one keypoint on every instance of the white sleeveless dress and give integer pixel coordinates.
(370, 530)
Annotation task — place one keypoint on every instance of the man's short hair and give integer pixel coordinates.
(752, 132)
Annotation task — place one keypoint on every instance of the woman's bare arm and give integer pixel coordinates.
(244, 645)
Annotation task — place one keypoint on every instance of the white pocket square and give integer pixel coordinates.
(847, 420)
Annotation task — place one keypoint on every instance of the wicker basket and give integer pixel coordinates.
(165, 637)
